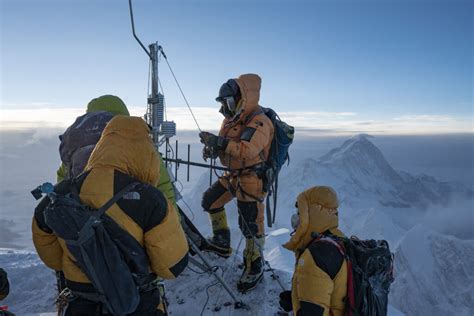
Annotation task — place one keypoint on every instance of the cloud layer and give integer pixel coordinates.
(307, 122)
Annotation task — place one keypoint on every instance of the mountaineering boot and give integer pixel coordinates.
(219, 243)
(253, 264)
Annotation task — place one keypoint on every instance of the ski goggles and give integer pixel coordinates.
(295, 221)
(229, 103)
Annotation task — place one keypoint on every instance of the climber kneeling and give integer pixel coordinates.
(319, 283)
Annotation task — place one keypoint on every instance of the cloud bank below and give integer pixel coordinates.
(308, 123)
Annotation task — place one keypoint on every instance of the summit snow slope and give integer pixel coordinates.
(433, 270)
(378, 202)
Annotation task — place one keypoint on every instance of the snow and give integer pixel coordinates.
(430, 235)
(435, 269)
(32, 284)
(191, 288)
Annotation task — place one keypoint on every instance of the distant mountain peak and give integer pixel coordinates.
(361, 137)
(358, 149)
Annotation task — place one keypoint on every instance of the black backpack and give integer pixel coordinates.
(79, 140)
(282, 139)
(369, 274)
(112, 259)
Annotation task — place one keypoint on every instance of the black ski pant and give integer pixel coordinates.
(251, 208)
(148, 306)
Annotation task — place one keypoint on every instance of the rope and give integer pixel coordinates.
(179, 87)
(189, 208)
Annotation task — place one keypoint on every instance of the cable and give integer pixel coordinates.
(179, 87)
(207, 296)
(171, 150)
(209, 270)
(211, 285)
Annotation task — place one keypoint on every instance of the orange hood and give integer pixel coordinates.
(125, 145)
(250, 85)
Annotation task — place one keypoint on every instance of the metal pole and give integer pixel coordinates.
(154, 69)
(133, 29)
(210, 172)
(176, 164)
(197, 164)
(153, 100)
(238, 304)
(166, 153)
(189, 159)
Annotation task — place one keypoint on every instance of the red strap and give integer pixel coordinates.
(4, 308)
(332, 241)
(350, 277)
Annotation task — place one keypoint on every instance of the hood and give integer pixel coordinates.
(317, 209)
(250, 85)
(125, 145)
(109, 103)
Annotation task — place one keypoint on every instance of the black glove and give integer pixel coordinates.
(208, 153)
(213, 142)
(285, 301)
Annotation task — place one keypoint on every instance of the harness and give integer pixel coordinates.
(260, 169)
(68, 296)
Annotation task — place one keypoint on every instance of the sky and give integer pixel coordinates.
(395, 67)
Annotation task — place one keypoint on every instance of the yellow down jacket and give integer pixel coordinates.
(124, 154)
(319, 284)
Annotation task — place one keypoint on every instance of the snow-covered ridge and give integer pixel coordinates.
(358, 171)
(434, 274)
(32, 284)
(433, 270)
(378, 202)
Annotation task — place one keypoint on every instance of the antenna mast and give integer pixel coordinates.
(162, 130)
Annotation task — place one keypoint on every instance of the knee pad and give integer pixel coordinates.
(211, 195)
(248, 212)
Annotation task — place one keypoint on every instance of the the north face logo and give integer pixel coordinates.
(131, 196)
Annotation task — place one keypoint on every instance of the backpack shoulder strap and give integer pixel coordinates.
(330, 239)
(253, 114)
(115, 198)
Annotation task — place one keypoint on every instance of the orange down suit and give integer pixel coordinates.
(250, 134)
